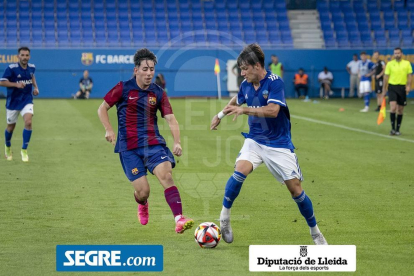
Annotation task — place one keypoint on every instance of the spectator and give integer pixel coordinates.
(325, 78)
(301, 83)
(85, 85)
(352, 68)
(276, 67)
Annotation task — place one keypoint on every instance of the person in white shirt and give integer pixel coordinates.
(352, 68)
(325, 78)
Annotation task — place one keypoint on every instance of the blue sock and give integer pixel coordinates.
(306, 208)
(26, 138)
(8, 136)
(366, 99)
(233, 187)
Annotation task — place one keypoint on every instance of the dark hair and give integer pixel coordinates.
(325, 68)
(363, 53)
(376, 52)
(301, 69)
(144, 54)
(355, 55)
(24, 48)
(398, 48)
(251, 54)
(273, 56)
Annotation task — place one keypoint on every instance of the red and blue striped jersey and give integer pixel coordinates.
(137, 114)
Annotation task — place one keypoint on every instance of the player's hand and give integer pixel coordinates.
(232, 109)
(215, 122)
(35, 92)
(110, 137)
(407, 90)
(20, 85)
(177, 150)
(377, 77)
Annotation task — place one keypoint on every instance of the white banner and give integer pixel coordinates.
(302, 258)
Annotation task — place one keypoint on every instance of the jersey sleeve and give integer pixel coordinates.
(91, 80)
(240, 96)
(165, 106)
(8, 73)
(114, 95)
(387, 70)
(410, 68)
(277, 92)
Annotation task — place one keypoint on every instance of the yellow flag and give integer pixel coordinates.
(217, 67)
(381, 115)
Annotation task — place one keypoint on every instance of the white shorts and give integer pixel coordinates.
(12, 115)
(364, 87)
(282, 163)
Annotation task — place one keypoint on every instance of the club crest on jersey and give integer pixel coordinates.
(135, 171)
(265, 94)
(152, 100)
(87, 58)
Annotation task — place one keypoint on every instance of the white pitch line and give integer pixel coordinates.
(351, 128)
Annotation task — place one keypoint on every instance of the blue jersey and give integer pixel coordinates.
(272, 132)
(17, 98)
(364, 68)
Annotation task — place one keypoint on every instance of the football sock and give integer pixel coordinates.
(314, 230)
(366, 99)
(399, 120)
(139, 201)
(172, 196)
(306, 208)
(8, 136)
(392, 117)
(233, 187)
(26, 138)
(177, 218)
(225, 213)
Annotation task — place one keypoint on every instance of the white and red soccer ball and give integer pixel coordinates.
(207, 235)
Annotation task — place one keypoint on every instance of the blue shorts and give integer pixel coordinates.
(137, 161)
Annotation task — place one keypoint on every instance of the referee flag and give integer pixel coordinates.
(381, 115)
(217, 67)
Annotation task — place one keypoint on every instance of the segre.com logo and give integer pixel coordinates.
(109, 258)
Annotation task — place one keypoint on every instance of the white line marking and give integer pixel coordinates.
(351, 128)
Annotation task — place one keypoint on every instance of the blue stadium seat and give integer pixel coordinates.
(385, 5)
(406, 33)
(390, 24)
(407, 42)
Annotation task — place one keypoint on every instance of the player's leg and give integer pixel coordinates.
(11, 117)
(401, 102)
(141, 194)
(77, 94)
(392, 96)
(378, 91)
(163, 172)
(87, 93)
(136, 173)
(160, 162)
(27, 113)
(365, 90)
(248, 160)
(284, 166)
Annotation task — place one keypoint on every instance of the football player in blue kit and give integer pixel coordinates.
(268, 141)
(21, 86)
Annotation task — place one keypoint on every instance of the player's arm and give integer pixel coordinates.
(217, 118)
(408, 86)
(382, 72)
(36, 88)
(175, 132)
(7, 83)
(385, 87)
(90, 85)
(269, 111)
(348, 69)
(104, 118)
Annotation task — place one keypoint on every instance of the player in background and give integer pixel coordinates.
(139, 144)
(364, 69)
(378, 72)
(269, 139)
(397, 81)
(21, 86)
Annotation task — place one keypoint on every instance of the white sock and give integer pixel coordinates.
(177, 218)
(225, 213)
(314, 230)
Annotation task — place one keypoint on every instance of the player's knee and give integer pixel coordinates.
(166, 178)
(28, 123)
(143, 194)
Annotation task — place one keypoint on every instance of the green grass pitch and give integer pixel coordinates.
(73, 190)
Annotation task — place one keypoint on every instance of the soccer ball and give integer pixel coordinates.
(207, 235)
